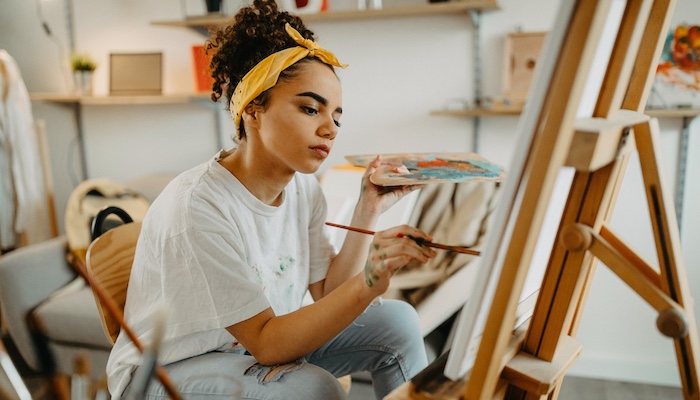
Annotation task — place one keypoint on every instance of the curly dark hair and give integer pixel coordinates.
(254, 33)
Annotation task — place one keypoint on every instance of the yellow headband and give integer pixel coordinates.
(264, 75)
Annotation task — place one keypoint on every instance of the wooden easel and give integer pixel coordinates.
(531, 364)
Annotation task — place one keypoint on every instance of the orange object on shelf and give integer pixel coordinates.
(202, 76)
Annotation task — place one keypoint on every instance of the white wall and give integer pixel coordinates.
(400, 70)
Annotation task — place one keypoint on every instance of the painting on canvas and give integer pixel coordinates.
(422, 168)
(677, 81)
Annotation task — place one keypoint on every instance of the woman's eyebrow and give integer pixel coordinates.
(320, 99)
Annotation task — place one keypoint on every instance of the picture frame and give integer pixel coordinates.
(134, 74)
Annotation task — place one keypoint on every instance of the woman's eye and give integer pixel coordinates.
(337, 123)
(309, 110)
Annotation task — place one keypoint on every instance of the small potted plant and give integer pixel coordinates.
(83, 67)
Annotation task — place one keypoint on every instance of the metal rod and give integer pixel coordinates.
(77, 108)
(69, 25)
(476, 46)
(682, 169)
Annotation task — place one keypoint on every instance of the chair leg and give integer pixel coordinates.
(60, 386)
(345, 382)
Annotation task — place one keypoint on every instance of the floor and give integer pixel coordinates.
(575, 388)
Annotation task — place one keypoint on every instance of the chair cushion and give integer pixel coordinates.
(71, 317)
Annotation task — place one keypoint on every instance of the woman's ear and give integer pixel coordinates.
(250, 115)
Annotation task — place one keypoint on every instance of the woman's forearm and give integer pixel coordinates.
(288, 337)
(353, 254)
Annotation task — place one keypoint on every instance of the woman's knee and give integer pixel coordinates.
(400, 327)
(304, 381)
(213, 376)
(398, 317)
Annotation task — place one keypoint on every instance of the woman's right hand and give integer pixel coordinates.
(392, 249)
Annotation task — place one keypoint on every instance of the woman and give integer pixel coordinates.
(231, 246)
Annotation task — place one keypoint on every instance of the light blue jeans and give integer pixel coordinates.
(385, 340)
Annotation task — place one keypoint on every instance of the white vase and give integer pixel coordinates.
(82, 80)
(366, 4)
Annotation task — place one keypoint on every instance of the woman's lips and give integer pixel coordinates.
(321, 150)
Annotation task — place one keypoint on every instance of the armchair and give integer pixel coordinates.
(49, 313)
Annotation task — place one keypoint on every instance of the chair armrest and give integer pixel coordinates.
(28, 276)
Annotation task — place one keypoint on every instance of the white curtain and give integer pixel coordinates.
(23, 200)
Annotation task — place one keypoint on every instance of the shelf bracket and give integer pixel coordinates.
(475, 16)
(219, 131)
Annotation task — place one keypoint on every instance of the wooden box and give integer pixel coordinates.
(135, 74)
(522, 50)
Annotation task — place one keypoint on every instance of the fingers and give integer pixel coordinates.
(404, 230)
(373, 165)
(379, 269)
(376, 162)
(410, 188)
(412, 237)
(366, 182)
(383, 270)
(392, 249)
(399, 248)
(399, 191)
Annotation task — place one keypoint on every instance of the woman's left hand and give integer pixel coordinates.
(381, 198)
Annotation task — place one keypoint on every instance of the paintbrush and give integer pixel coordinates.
(420, 241)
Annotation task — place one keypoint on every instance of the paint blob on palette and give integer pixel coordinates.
(423, 168)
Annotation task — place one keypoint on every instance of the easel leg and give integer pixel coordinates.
(674, 280)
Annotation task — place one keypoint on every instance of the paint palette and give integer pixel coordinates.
(423, 168)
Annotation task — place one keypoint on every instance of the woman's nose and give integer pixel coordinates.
(329, 129)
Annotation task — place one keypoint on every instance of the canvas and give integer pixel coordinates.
(422, 168)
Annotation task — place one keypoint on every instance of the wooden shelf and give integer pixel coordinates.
(672, 112)
(478, 112)
(486, 112)
(62, 98)
(390, 12)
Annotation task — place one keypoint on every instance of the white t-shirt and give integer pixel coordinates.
(215, 255)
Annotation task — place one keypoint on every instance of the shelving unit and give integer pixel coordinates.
(429, 9)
